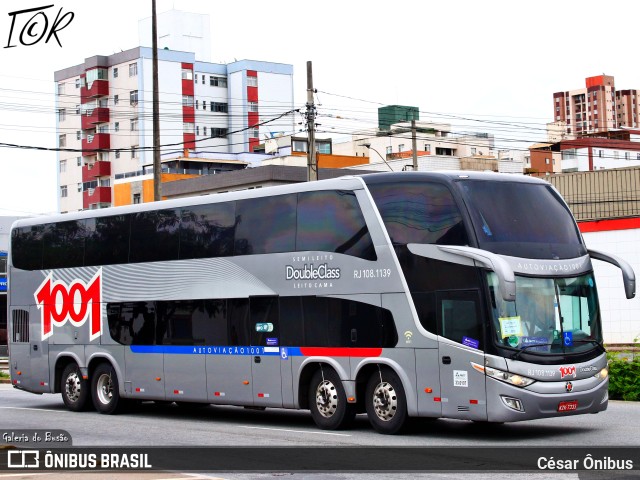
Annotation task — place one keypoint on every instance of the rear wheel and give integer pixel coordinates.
(104, 390)
(386, 402)
(74, 389)
(328, 401)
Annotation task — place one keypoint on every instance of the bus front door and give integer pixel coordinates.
(459, 320)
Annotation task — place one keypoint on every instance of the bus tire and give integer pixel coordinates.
(104, 390)
(74, 389)
(385, 402)
(328, 401)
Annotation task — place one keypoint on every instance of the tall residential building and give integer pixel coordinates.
(105, 125)
(598, 107)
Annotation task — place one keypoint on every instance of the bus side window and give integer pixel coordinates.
(459, 317)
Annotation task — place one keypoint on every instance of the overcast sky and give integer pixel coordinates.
(488, 66)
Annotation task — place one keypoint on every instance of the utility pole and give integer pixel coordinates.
(157, 170)
(414, 144)
(312, 163)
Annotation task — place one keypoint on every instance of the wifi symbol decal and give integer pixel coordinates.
(408, 336)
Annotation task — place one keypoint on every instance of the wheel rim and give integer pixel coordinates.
(73, 387)
(385, 401)
(326, 398)
(105, 388)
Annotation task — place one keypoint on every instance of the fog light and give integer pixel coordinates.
(513, 403)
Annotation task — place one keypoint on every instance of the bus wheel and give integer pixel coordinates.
(74, 389)
(385, 402)
(104, 390)
(328, 402)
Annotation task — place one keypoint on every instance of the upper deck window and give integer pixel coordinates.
(522, 220)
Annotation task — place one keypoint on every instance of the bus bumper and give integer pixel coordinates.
(506, 403)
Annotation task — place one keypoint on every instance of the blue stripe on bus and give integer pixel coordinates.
(283, 352)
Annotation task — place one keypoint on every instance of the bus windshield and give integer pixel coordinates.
(549, 316)
(521, 220)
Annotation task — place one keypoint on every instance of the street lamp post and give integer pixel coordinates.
(368, 145)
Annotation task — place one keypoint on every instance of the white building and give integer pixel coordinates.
(104, 115)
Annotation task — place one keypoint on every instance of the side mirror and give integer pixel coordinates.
(472, 256)
(628, 276)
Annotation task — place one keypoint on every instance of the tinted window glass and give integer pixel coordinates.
(132, 323)
(107, 240)
(266, 225)
(26, 247)
(63, 244)
(291, 321)
(154, 236)
(207, 230)
(522, 220)
(459, 318)
(419, 212)
(238, 321)
(332, 221)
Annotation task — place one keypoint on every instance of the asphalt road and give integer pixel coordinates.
(171, 425)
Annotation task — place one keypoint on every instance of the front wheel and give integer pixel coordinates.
(328, 401)
(104, 390)
(74, 389)
(386, 402)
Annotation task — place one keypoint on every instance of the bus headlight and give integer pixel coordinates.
(602, 374)
(511, 378)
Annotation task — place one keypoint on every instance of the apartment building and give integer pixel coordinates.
(598, 107)
(104, 115)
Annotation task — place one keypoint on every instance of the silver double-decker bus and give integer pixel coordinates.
(459, 295)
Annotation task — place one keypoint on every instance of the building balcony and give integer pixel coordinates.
(96, 195)
(92, 117)
(98, 169)
(99, 88)
(93, 142)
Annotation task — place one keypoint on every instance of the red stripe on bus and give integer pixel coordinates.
(340, 352)
(609, 225)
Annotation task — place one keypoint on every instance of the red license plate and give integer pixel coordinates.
(568, 406)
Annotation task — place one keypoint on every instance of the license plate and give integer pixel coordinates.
(568, 406)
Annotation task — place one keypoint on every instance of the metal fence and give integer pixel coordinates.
(601, 194)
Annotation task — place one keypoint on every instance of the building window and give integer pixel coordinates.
(219, 107)
(187, 100)
(133, 69)
(116, 127)
(117, 153)
(204, 104)
(253, 106)
(60, 88)
(218, 132)
(203, 78)
(473, 151)
(204, 130)
(401, 147)
(546, 160)
(77, 109)
(134, 124)
(62, 140)
(427, 147)
(77, 83)
(389, 150)
(79, 161)
(252, 81)
(197, 129)
(255, 132)
(299, 146)
(133, 97)
(217, 81)
(188, 127)
(63, 166)
(115, 72)
(62, 114)
(116, 99)
(627, 155)
(79, 187)
(187, 74)
(134, 152)
(136, 198)
(197, 104)
(63, 191)
(78, 134)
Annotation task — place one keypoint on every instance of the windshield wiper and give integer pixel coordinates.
(594, 342)
(517, 354)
